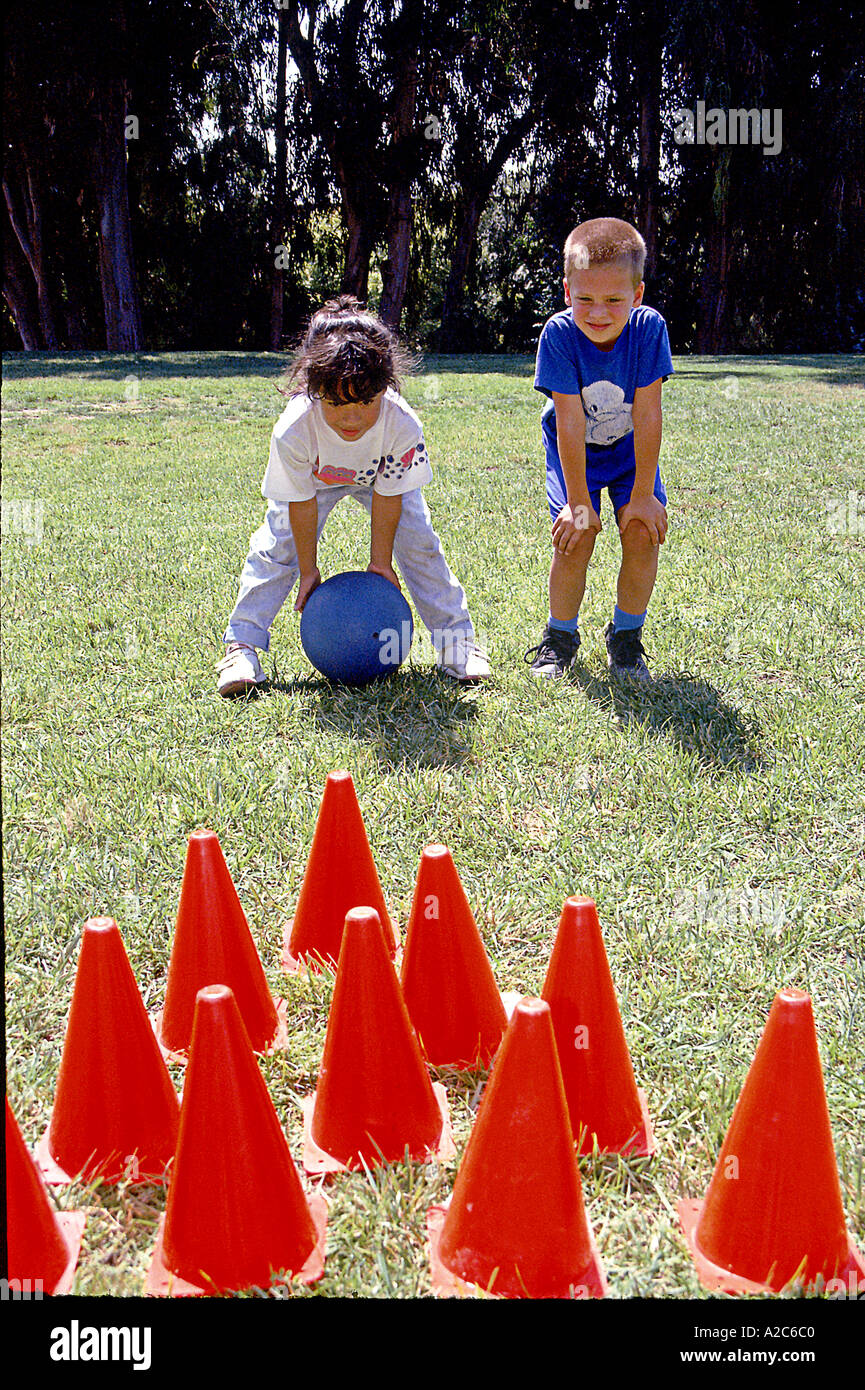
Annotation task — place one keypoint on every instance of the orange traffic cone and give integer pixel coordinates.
(42, 1245)
(340, 874)
(516, 1224)
(447, 982)
(604, 1103)
(374, 1100)
(236, 1212)
(115, 1113)
(772, 1213)
(213, 942)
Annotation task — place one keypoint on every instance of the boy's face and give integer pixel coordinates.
(351, 419)
(600, 299)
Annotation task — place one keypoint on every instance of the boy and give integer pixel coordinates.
(602, 363)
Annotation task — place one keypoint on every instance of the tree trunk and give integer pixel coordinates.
(353, 178)
(18, 291)
(116, 262)
(401, 172)
(468, 219)
(395, 269)
(649, 78)
(355, 275)
(712, 308)
(24, 207)
(472, 200)
(277, 283)
(73, 316)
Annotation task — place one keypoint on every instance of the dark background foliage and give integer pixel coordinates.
(201, 173)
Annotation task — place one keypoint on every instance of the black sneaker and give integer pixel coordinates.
(555, 653)
(625, 653)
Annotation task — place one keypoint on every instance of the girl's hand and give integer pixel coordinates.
(308, 582)
(386, 570)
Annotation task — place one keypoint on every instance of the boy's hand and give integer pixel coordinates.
(650, 512)
(386, 570)
(570, 524)
(308, 582)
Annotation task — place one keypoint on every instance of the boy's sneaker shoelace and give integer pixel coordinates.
(555, 653)
(625, 653)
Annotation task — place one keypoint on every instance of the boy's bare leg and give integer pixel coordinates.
(639, 569)
(568, 578)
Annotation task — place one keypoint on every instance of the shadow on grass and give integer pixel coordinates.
(415, 717)
(685, 709)
(840, 369)
(115, 366)
(208, 364)
(831, 369)
(520, 365)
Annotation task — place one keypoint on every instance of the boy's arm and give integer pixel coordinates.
(304, 525)
(644, 505)
(578, 514)
(386, 512)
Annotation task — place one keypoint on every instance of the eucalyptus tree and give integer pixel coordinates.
(361, 67)
(65, 139)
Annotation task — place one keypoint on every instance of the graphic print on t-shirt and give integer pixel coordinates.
(307, 456)
(391, 467)
(387, 466)
(568, 364)
(334, 476)
(608, 418)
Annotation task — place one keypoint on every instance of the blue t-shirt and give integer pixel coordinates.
(569, 363)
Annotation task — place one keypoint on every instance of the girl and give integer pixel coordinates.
(346, 431)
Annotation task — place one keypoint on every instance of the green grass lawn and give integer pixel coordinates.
(717, 818)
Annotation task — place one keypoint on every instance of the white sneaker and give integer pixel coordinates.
(466, 663)
(239, 670)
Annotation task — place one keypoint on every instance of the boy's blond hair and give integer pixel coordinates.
(604, 240)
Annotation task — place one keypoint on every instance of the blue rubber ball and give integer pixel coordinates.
(356, 627)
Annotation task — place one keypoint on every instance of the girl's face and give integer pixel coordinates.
(351, 419)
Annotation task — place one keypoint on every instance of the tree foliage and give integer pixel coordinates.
(201, 173)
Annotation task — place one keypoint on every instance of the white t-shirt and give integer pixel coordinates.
(307, 456)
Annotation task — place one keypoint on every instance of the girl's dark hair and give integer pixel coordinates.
(347, 354)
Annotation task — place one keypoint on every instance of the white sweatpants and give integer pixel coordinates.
(271, 571)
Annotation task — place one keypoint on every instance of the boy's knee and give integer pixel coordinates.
(636, 538)
(580, 553)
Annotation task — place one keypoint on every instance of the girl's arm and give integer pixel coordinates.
(304, 525)
(386, 512)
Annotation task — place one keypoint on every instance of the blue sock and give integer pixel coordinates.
(622, 622)
(564, 624)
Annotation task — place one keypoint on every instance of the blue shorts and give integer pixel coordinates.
(614, 468)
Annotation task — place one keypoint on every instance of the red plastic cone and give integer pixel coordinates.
(236, 1211)
(516, 1224)
(374, 1099)
(604, 1102)
(42, 1244)
(447, 982)
(213, 942)
(772, 1212)
(340, 874)
(115, 1111)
